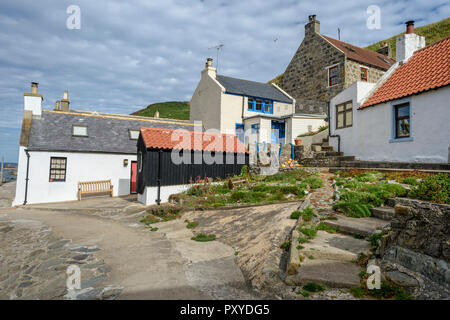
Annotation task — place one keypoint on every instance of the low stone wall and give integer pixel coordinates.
(420, 239)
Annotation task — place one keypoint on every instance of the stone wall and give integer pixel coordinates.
(306, 77)
(420, 239)
(353, 73)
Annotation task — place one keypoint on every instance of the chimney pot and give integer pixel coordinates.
(410, 26)
(209, 63)
(313, 26)
(34, 87)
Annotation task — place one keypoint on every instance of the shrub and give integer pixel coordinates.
(295, 214)
(201, 237)
(195, 191)
(433, 188)
(313, 287)
(244, 171)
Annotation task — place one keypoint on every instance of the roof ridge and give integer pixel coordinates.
(220, 75)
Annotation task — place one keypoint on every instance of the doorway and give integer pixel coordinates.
(133, 176)
(278, 132)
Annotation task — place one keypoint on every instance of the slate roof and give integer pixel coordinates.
(427, 69)
(107, 133)
(362, 55)
(252, 88)
(189, 140)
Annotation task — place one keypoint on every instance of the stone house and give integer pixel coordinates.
(322, 67)
(254, 111)
(404, 116)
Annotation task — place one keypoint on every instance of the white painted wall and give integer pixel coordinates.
(80, 167)
(299, 124)
(369, 137)
(151, 193)
(33, 104)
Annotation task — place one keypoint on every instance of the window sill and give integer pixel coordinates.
(392, 140)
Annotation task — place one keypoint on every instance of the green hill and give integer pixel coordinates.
(171, 109)
(432, 32)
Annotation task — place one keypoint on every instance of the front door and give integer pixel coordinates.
(278, 132)
(133, 176)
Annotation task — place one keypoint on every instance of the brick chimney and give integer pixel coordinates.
(33, 100)
(65, 102)
(408, 43)
(209, 70)
(312, 27)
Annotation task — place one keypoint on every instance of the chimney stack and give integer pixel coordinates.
(410, 26)
(34, 87)
(65, 102)
(33, 100)
(312, 27)
(57, 106)
(209, 70)
(408, 43)
(157, 114)
(385, 49)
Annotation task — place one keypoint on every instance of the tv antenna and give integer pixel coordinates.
(218, 47)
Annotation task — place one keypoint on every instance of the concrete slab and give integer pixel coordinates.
(361, 226)
(334, 246)
(331, 273)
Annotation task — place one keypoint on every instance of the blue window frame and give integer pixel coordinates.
(260, 105)
(401, 121)
(240, 132)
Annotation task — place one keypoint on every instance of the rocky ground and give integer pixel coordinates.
(33, 265)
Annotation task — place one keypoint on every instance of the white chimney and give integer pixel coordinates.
(209, 70)
(33, 100)
(408, 43)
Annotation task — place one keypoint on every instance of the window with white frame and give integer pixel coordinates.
(133, 134)
(79, 131)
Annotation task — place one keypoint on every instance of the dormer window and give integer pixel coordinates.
(133, 134)
(364, 74)
(79, 131)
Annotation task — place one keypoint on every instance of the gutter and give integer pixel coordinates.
(158, 180)
(26, 178)
(329, 129)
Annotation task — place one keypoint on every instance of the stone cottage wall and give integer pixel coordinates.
(420, 239)
(306, 77)
(353, 73)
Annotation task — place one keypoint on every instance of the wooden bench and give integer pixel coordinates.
(90, 187)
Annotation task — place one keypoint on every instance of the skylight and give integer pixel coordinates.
(134, 134)
(79, 131)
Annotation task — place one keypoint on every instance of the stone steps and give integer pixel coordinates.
(383, 213)
(328, 259)
(356, 226)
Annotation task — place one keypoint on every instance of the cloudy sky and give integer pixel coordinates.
(128, 54)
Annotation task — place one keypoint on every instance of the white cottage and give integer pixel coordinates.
(61, 147)
(405, 116)
(254, 111)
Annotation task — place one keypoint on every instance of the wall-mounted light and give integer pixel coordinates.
(125, 162)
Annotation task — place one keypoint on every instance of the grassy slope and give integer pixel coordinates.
(171, 109)
(433, 32)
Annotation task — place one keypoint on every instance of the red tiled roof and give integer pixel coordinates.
(428, 68)
(362, 55)
(160, 138)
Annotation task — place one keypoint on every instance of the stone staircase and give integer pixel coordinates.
(321, 155)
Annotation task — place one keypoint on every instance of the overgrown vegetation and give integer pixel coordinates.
(433, 188)
(160, 214)
(388, 290)
(249, 189)
(171, 109)
(191, 224)
(321, 128)
(202, 237)
(313, 287)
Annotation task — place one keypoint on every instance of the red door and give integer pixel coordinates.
(133, 176)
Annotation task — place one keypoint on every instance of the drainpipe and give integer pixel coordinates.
(26, 178)
(158, 181)
(329, 131)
